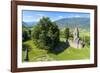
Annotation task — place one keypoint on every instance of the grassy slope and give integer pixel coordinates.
(73, 54)
(68, 54)
(84, 33)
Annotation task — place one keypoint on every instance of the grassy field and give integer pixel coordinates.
(84, 33)
(66, 53)
(70, 53)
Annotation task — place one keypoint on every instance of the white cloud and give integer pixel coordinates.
(77, 16)
(41, 15)
(71, 16)
(60, 17)
(28, 16)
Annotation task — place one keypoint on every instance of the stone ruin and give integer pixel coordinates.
(26, 55)
(77, 42)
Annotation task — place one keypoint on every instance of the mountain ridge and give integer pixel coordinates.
(74, 22)
(66, 22)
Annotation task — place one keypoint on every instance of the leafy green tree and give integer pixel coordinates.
(46, 33)
(25, 35)
(29, 33)
(66, 32)
(42, 39)
(87, 40)
(35, 32)
(71, 35)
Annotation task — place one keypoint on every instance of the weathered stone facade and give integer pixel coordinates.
(77, 42)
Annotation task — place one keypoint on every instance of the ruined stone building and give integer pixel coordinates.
(76, 41)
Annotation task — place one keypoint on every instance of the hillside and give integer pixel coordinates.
(28, 24)
(66, 22)
(72, 22)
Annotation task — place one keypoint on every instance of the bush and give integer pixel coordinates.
(26, 34)
(25, 45)
(87, 40)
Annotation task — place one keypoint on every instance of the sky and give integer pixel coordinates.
(35, 16)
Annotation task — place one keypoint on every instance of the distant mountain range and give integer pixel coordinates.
(28, 24)
(67, 22)
(74, 22)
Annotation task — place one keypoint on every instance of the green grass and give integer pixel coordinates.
(84, 33)
(73, 54)
(70, 53)
(36, 54)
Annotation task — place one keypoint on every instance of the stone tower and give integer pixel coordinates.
(76, 33)
(76, 38)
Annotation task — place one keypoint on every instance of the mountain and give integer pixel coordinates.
(66, 22)
(28, 24)
(74, 22)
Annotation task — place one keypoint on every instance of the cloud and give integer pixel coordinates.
(60, 16)
(40, 15)
(73, 16)
(77, 16)
(28, 16)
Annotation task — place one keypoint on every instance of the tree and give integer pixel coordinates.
(87, 40)
(42, 40)
(25, 35)
(29, 33)
(66, 32)
(35, 32)
(46, 33)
